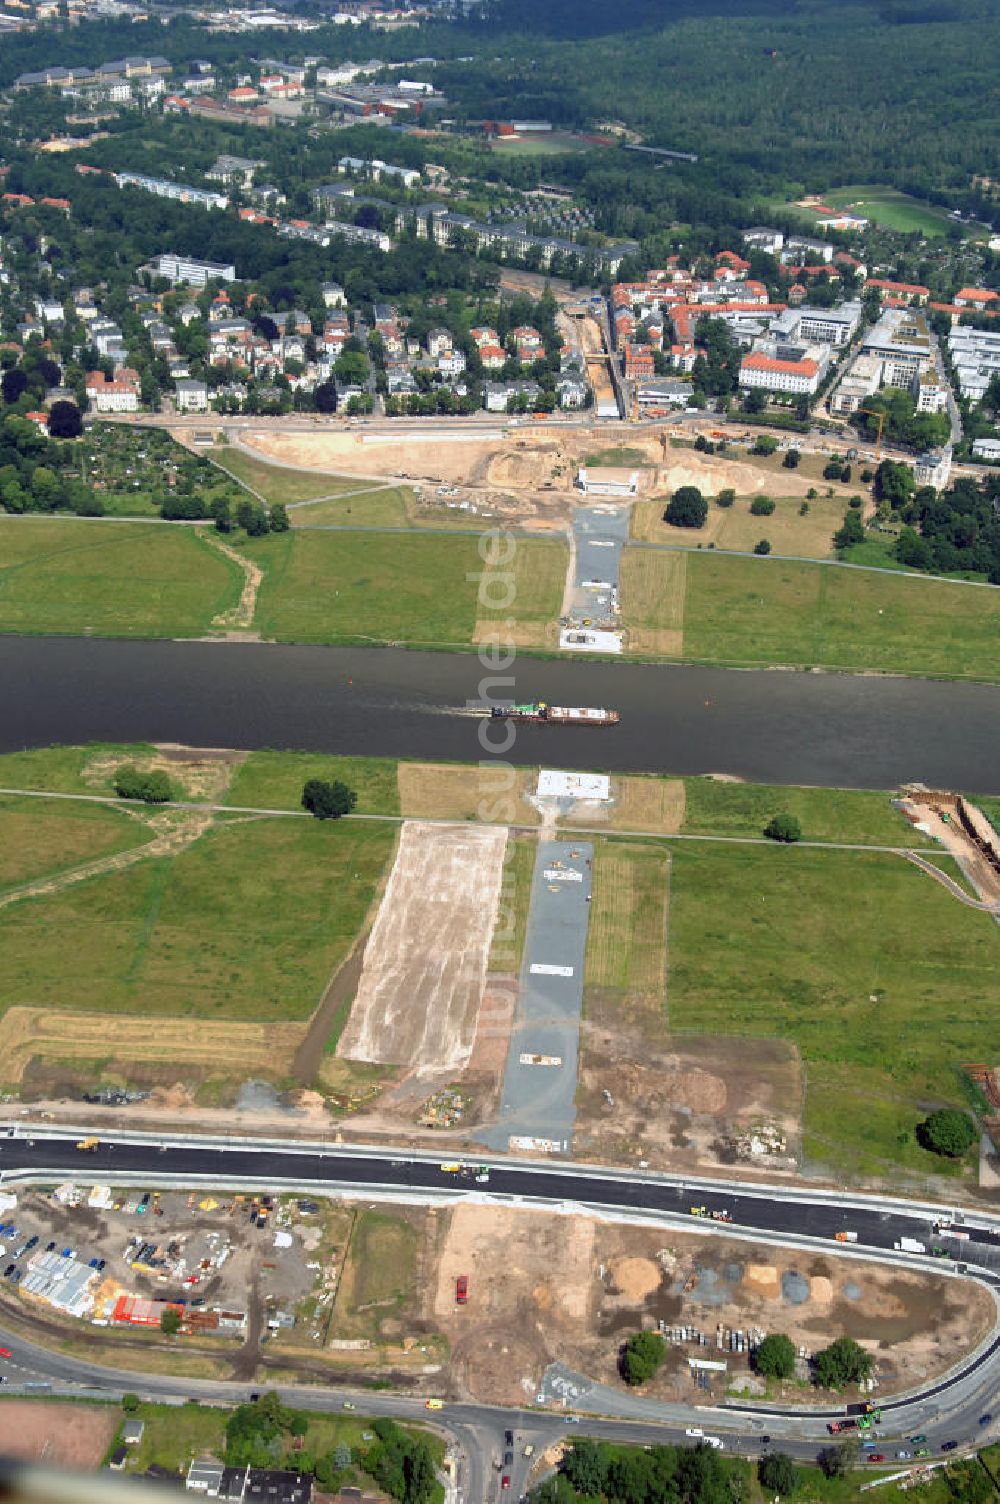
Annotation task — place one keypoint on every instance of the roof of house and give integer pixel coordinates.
(758, 361)
(967, 294)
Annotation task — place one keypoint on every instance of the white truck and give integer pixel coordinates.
(909, 1245)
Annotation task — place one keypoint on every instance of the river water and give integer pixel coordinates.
(772, 727)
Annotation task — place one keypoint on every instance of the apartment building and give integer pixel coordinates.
(189, 270)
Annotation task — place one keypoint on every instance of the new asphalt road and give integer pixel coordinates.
(951, 1409)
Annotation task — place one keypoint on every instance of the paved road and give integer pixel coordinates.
(949, 1409)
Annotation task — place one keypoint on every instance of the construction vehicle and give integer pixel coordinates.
(835, 1427)
(909, 1245)
(462, 1290)
(88, 1145)
(874, 412)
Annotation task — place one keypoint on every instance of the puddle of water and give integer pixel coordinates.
(794, 1288)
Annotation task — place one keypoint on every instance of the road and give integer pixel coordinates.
(948, 1409)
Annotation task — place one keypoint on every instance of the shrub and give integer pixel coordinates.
(151, 788)
(777, 1473)
(948, 1132)
(725, 498)
(761, 506)
(643, 1354)
(763, 547)
(328, 801)
(785, 828)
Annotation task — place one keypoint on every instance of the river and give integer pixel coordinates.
(773, 727)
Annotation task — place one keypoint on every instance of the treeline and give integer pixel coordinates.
(593, 1470)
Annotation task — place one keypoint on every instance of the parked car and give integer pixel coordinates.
(948, 1446)
(5, 1352)
(875, 1457)
(985, 1420)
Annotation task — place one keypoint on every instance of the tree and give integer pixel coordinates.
(170, 1321)
(726, 498)
(325, 397)
(251, 516)
(765, 443)
(776, 1472)
(853, 531)
(686, 508)
(151, 788)
(843, 1362)
(785, 828)
(328, 801)
(837, 1461)
(792, 459)
(762, 547)
(775, 1357)
(761, 506)
(221, 514)
(65, 421)
(278, 517)
(586, 1467)
(948, 1132)
(130, 1403)
(642, 1355)
(13, 384)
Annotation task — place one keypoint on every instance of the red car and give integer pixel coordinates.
(505, 1481)
(5, 1352)
(876, 1457)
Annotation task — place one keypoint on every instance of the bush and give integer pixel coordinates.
(855, 503)
(763, 547)
(278, 517)
(130, 1403)
(686, 508)
(775, 1358)
(642, 1356)
(784, 828)
(777, 1473)
(843, 1362)
(151, 788)
(170, 1322)
(725, 498)
(761, 506)
(948, 1132)
(804, 509)
(328, 801)
(765, 443)
(792, 459)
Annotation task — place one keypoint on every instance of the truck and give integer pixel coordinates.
(462, 1290)
(835, 1427)
(88, 1145)
(909, 1245)
(846, 1237)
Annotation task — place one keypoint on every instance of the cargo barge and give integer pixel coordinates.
(556, 715)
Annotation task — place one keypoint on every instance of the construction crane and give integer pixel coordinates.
(875, 412)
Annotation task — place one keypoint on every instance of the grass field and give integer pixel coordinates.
(743, 809)
(527, 591)
(891, 209)
(247, 923)
(278, 483)
(385, 506)
(39, 839)
(379, 1275)
(882, 980)
(515, 899)
(623, 457)
(115, 580)
(394, 587)
(653, 594)
(61, 769)
(626, 942)
(777, 611)
(274, 780)
(735, 528)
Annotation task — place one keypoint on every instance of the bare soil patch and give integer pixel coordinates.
(679, 1101)
(199, 773)
(425, 961)
(70, 1436)
(429, 790)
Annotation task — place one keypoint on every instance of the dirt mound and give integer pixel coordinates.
(821, 1289)
(635, 1278)
(712, 475)
(762, 1279)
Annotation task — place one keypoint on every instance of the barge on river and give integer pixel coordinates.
(556, 715)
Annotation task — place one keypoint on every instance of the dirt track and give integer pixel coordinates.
(75, 1436)
(425, 962)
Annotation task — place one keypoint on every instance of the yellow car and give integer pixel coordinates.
(434, 1405)
(450, 1167)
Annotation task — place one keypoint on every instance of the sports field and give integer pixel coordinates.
(891, 209)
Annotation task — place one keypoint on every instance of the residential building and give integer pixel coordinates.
(820, 326)
(191, 396)
(977, 297)
(798, 249)
(897, 293)
(190, 270)
(861, 382)
(226, 169)
(438, 340)
(760, 238)
(572, 391)
(375, 169)
(930, 392)
(933, 468)
(665, 392)
(975, 355)
(798, 375)
(333, 295)
(902, 341)
(167, 188)
(987, 449)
